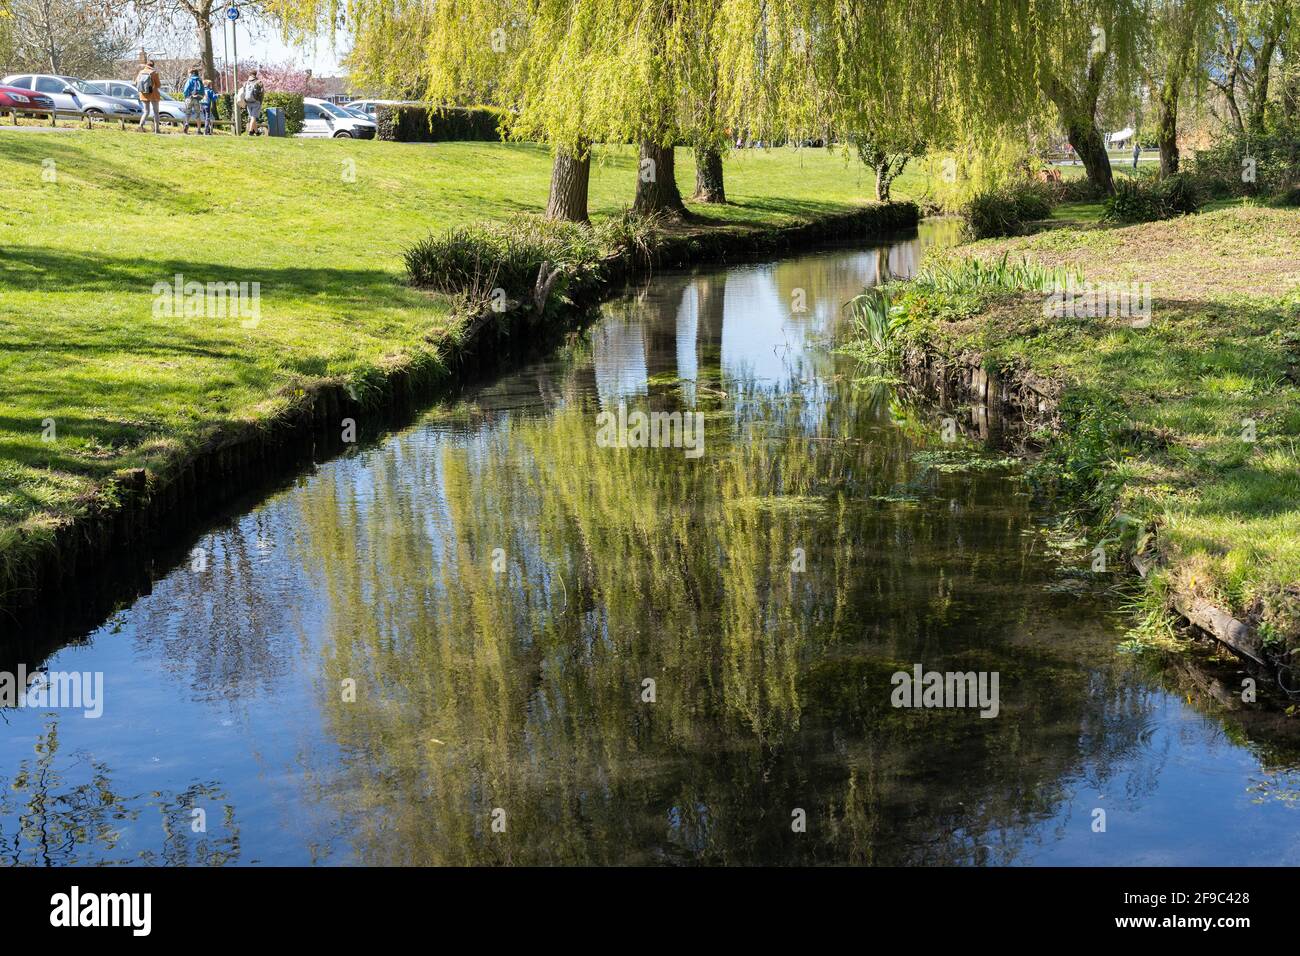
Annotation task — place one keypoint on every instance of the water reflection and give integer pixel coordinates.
(62, 809)
(631, 656)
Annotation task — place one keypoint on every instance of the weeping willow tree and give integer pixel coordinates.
(933, 69)
(1271, 22)
(1182, 32)
(893, 78)
(1093, 50)
(912, 75)
(571, 73)
(1289, 65)
(547, 62)
(390, 54)
(660, 73)
(702, 79)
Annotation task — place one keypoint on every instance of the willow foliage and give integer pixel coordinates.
(579, 71)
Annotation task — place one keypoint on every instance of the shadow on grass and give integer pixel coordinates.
(1159, 376)
(777, 206)
(71, 158)
(69, 359)
(56, 270)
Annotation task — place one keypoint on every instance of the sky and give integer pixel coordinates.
(263, 43)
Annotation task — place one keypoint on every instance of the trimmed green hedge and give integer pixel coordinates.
(291, 103)
(419, 124)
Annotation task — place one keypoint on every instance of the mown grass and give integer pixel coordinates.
(90, 221)
(1160, 417)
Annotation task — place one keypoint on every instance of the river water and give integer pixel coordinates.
(486, 638)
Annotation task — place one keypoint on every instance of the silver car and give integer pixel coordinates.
(170, 108)
(73, 95)
(369, 107)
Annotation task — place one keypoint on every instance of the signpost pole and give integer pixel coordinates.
(232, 14)
(225, 53)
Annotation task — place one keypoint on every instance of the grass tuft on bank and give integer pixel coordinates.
(1188, 424)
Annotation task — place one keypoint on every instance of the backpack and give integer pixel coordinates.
(146, 82)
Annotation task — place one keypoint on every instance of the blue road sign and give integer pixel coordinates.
(232, 13)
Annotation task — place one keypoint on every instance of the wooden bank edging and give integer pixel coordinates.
(1014, 405)
(137, 508)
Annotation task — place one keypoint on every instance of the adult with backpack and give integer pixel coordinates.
(250, 99)
(192, 92)
(149, 85)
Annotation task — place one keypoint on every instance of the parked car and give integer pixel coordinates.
(368, 106)
(73, 95)
(171, 108)
(20, 100)
(322, 119)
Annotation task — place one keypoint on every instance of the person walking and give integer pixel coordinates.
(192, 92)
(251, 95)
(208, 106)
(1137, 152)
(148, 84)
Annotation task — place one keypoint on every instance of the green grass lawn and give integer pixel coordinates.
(1220, 358)
(92, 220)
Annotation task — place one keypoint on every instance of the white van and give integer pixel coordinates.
(321, 119)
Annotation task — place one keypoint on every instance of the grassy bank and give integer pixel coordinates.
(93, 220)
(1180, 434)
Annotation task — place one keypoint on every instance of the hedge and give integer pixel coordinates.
(291, 103)
(419, 124)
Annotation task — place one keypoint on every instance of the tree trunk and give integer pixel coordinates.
(1167, 126)
(656, 183)
(708, 176)
(1290, 73)
(1079, 113)
(1087, 142)
(883, 180)
(570, 178)
(1258, 103)
(207, 59)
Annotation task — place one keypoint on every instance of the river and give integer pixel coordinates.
(488, 638)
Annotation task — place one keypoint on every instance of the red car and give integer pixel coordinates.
(13, 98)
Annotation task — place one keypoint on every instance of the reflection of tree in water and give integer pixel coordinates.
(217, 626)
(522, 690)
(47, 819)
